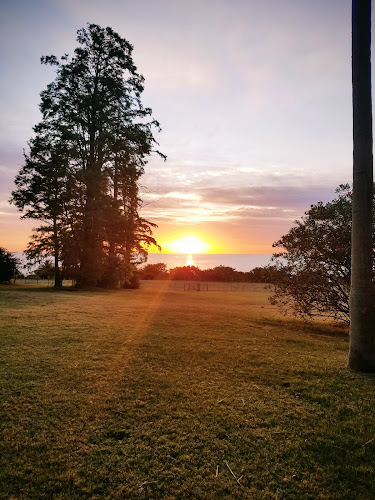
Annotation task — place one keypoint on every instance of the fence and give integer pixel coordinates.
(183, 286)
(216, 286)
(40, 282)
(195, 287)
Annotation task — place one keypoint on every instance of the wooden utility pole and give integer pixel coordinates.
(362, 340)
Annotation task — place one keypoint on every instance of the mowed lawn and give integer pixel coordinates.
(154, 393)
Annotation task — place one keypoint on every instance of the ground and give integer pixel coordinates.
(160, 393)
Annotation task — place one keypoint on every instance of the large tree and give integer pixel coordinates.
(128, 233)
(362, 339)
(102, 136)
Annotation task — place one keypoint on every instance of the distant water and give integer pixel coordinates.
(240, 262)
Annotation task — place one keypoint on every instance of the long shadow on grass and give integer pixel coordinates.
(338, 330)
(52, 290)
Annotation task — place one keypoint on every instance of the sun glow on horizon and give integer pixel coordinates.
(189, 260)
(188, 245)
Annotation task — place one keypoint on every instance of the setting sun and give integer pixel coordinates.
(188, 245)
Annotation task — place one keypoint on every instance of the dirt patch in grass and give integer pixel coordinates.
(161, 394)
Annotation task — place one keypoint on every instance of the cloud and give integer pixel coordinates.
(253, 98)
(232, 205)
(175, 195)
(283, 197)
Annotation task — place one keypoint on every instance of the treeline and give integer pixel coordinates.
(80, 177)
(219, 273)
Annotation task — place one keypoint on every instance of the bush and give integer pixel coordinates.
(8, 266)
(133, 282)
(157, 271)
(313, 270)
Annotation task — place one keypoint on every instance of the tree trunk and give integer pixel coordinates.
(90, 266)
(362, 341)
(112, 238)
(58, 281)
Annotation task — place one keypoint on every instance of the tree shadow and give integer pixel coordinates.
(321, 328)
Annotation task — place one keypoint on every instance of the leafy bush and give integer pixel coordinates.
(8, 266)
(157, 271)
(313, 275)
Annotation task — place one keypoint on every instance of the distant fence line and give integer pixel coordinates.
(195, 287)
(40, 282)
(176, 285)
(216, 286)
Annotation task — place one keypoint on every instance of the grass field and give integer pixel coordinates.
(156, 393)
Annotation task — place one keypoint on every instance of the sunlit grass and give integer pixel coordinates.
(154, 393)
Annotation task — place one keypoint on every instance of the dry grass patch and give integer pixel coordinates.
(151, 393)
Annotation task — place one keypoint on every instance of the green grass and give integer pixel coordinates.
(151, 393)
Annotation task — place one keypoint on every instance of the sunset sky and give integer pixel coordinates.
(253, 96)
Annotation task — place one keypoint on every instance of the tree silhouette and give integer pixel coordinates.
(81, 175)
(43, 190)
(313, 260)
(8, 266)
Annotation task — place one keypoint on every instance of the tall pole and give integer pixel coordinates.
(362, 340)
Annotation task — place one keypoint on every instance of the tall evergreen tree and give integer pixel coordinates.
(362, 338)
(129, 235)
(94, 107)
(42, 191)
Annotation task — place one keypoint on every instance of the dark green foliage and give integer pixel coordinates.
(133, 281)
(185, 273)
(154, 272)
(8, 266)
(222, 273)
(264, 274)
(43, 191)
(219, 273)
(313, 271)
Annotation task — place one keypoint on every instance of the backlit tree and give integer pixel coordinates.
(102, 137)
